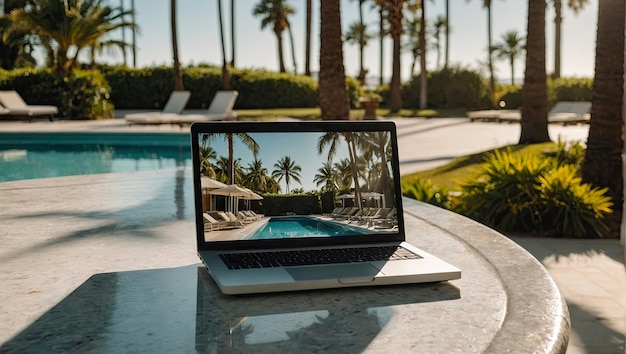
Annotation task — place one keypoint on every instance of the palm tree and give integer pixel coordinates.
(178, 75)
(534, 121)
(357, 34)
(381, 36)
(576, 6)
(492, 80)
(246, 139)
(207, 156)
(423, 72)
(287, 169)
(393, 9)
(134, 33)
(440, 23)
(256, 177)
(293, 48)
(343, 171)
(510, 48)
(379, 144)
(445, 65)
(275, 12)
(232, 33)
(225, 73)
(332, 77)
(333, 140)
(72, 25)
(412, 29)
(327, 177)
(602, 165)
(307, 40)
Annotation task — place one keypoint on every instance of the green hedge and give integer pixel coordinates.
(448, 88)
(149, 88)
(84, 95)
(562, 89)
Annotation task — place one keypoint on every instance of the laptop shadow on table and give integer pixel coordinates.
(181, 310)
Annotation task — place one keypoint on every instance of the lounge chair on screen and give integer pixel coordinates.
(173, 107)
(14, 105)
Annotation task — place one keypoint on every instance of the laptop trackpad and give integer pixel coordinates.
(363, 271)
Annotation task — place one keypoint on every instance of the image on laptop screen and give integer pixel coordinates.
(268, 185)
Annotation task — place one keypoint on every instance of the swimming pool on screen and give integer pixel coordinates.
(304, 226)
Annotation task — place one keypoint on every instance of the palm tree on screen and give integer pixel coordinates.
(256, 177)
(511, 47)
(245, 139)
(333, 141)
(207, 156)
(274, 13)
(287, 169)
(326, 177)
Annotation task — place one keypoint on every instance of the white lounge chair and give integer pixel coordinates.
(570, 112)
(173, 107)
(15, 106)
(221, 108)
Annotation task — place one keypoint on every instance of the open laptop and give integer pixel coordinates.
(322, 208)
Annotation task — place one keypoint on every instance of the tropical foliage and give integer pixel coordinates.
(65, 28)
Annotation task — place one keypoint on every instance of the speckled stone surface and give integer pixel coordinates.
(106, 263)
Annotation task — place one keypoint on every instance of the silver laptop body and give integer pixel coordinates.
(340, 225)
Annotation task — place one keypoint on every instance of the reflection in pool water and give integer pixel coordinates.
(304, 226)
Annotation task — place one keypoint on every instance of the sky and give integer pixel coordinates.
(256, 48)
(302, 151)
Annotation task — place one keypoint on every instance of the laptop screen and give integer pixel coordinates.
(262, 184)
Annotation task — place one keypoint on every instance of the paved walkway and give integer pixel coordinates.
(590, 273)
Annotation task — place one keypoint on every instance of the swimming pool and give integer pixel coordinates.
(304, 226)
(41, 155)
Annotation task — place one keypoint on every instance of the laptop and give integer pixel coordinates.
(299, 205)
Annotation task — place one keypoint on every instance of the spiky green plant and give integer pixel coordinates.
(426, 191)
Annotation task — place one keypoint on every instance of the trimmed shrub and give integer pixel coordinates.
(83, 95)
(427, 192)
(448, 88)
(301, 204)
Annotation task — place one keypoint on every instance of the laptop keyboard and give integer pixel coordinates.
(247, 260)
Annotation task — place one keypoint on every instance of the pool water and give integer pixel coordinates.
(303, 226)
(27, 156)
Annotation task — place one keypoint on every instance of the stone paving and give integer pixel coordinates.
(590, 273)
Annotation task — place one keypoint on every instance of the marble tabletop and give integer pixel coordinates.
(504, 302)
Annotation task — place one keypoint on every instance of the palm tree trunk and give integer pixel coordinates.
(307, 59)
(132, 5)
(281, 60)
(225, 74)
(492, 80)
(534, 122)
(558, 18)
(124, 54)
(395, 22)
(447, 58)
(293, 48)
(602, 165)
(381, 34)
(423, 72)
(232, 33)
(178, 77)
(332, 77)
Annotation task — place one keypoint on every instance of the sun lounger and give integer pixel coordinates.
(221, 108)
(173, 107)
(211, 224)
(222, 217)
(14, 105)
(570, 112)
(488, 115)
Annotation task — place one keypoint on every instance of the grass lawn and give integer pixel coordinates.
(462, 168)
(315, 113)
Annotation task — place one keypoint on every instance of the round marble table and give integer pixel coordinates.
(107, 264)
